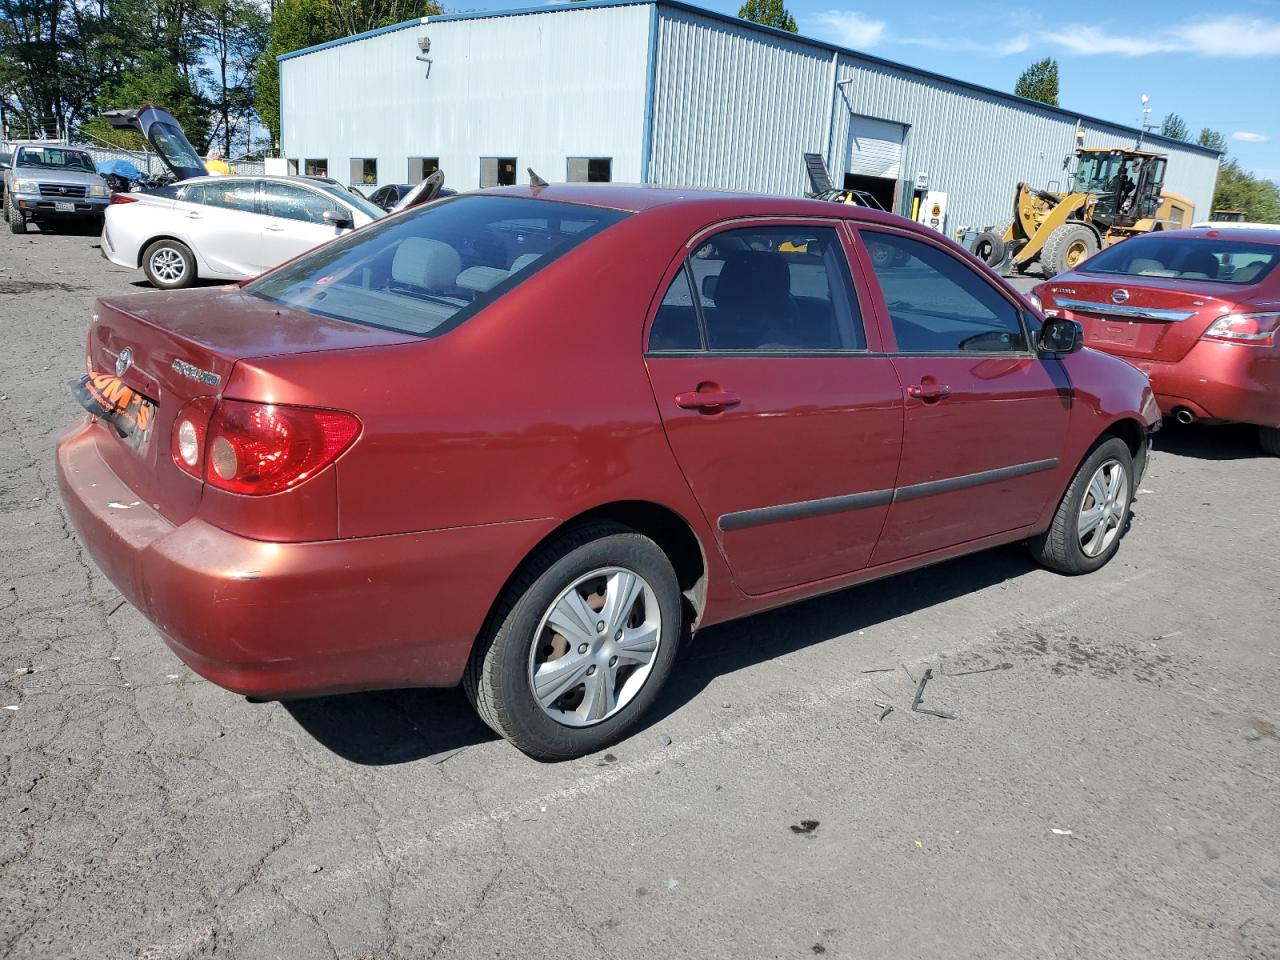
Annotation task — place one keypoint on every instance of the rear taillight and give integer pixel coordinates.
(190, 427)
(259, 448)
(1254, 329)
(123, 198)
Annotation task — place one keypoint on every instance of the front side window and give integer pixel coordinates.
(364, 171)
(294, 203)
(316, 168)
(937, 303)
(770, 290)
(590, 169)
(1220, 259)
(426, 271)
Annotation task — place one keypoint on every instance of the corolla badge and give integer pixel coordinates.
(1120, 296)
(123, 361)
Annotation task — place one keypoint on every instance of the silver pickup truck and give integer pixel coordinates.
(47, 182)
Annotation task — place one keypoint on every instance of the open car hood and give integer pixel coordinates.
(424, 192)
(165, 135)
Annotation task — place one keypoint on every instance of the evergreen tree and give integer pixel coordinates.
(1039, 82)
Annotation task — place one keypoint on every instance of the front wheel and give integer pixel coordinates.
(580, 644)
(13, 213)
(1269, 437)
(1067, 247)
(169, 265)
(1090, 520)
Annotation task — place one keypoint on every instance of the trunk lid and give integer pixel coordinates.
(1144, 318)
(182, 346)
(166, 137)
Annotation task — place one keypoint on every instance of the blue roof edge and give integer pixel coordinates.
(1147, 137)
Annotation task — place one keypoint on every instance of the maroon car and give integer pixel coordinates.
(527, 440)
(1197, 310)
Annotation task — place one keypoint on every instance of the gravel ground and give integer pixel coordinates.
(1110, 787)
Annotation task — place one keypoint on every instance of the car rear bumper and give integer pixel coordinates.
(277, 620)
(1220, 381)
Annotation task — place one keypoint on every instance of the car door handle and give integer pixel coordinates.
(275, 227)
(928, 392)
(194, 215)
(709, 398)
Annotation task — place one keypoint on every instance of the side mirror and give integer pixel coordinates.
(1059, 337)
(709, 284)
(337, 218)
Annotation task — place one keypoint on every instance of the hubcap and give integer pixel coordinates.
(1076, 252)
(595, 647)
(168, 264)
(1103, 508)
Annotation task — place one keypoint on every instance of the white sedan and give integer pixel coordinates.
(226, 228)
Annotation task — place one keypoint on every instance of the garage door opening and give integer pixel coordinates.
(882, 188)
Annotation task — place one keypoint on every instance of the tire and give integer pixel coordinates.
(17, 219)
(1062, 546)
(989, 248)
(518, 642)
(1269, 437)
(169, 265)
(1067, 247)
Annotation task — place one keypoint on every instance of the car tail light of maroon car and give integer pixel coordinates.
(258, 448)
(1254, 329)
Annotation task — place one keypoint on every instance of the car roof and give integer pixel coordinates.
(1233, 231)
(636, 198)
(280, 178)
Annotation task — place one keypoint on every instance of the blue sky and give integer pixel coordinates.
(1216, 66)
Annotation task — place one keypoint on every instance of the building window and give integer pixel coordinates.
(497, 171)
(364, 171)
(590, 169)
(316, 168)
(292, 166)
(422, 167)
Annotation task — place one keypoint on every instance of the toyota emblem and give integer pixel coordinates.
(62, 189)
(1120, 296)
(123, 361)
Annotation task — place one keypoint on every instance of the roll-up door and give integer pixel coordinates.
(876, 149)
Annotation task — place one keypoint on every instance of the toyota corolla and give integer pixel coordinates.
(529, 440)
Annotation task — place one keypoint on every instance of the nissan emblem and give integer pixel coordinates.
(1120, 296)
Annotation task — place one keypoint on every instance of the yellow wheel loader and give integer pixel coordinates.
(1114, 194)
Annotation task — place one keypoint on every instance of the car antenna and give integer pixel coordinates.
(535, 180)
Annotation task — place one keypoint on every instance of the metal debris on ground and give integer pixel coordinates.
(969, 673)
(879, 670)
(885, 710)
(915, 704)
(664, 741)
(805, 826)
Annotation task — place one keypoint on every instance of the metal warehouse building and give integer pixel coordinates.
(660, 91)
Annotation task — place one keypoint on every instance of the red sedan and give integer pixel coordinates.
(527, 440)
(1198, 311)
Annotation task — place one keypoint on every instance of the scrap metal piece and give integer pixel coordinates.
(915, 704)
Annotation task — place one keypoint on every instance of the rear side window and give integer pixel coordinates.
(764, 290)
(937, 303)
(675, 327)
(1220, 259)
(231, 195)
(426, 271)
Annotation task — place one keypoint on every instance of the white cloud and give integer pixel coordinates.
(1226, 36)
(849, 28)
(1245, 136)
(999, 48)
(1231, 36)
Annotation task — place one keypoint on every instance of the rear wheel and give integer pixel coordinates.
(1067, 247)
(580, 644)
(1269, 437)
(989, 248)
(17, 219)
(1090, 520)
(169, 265)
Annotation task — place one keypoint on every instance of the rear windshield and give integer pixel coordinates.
(55, 158)
(427, 270)
(1219, 259)
(357, 200)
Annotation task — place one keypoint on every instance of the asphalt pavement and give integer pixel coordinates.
(1109, 787)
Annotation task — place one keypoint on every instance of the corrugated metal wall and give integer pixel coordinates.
(540, 87)
(738, 107)
(735, 108)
